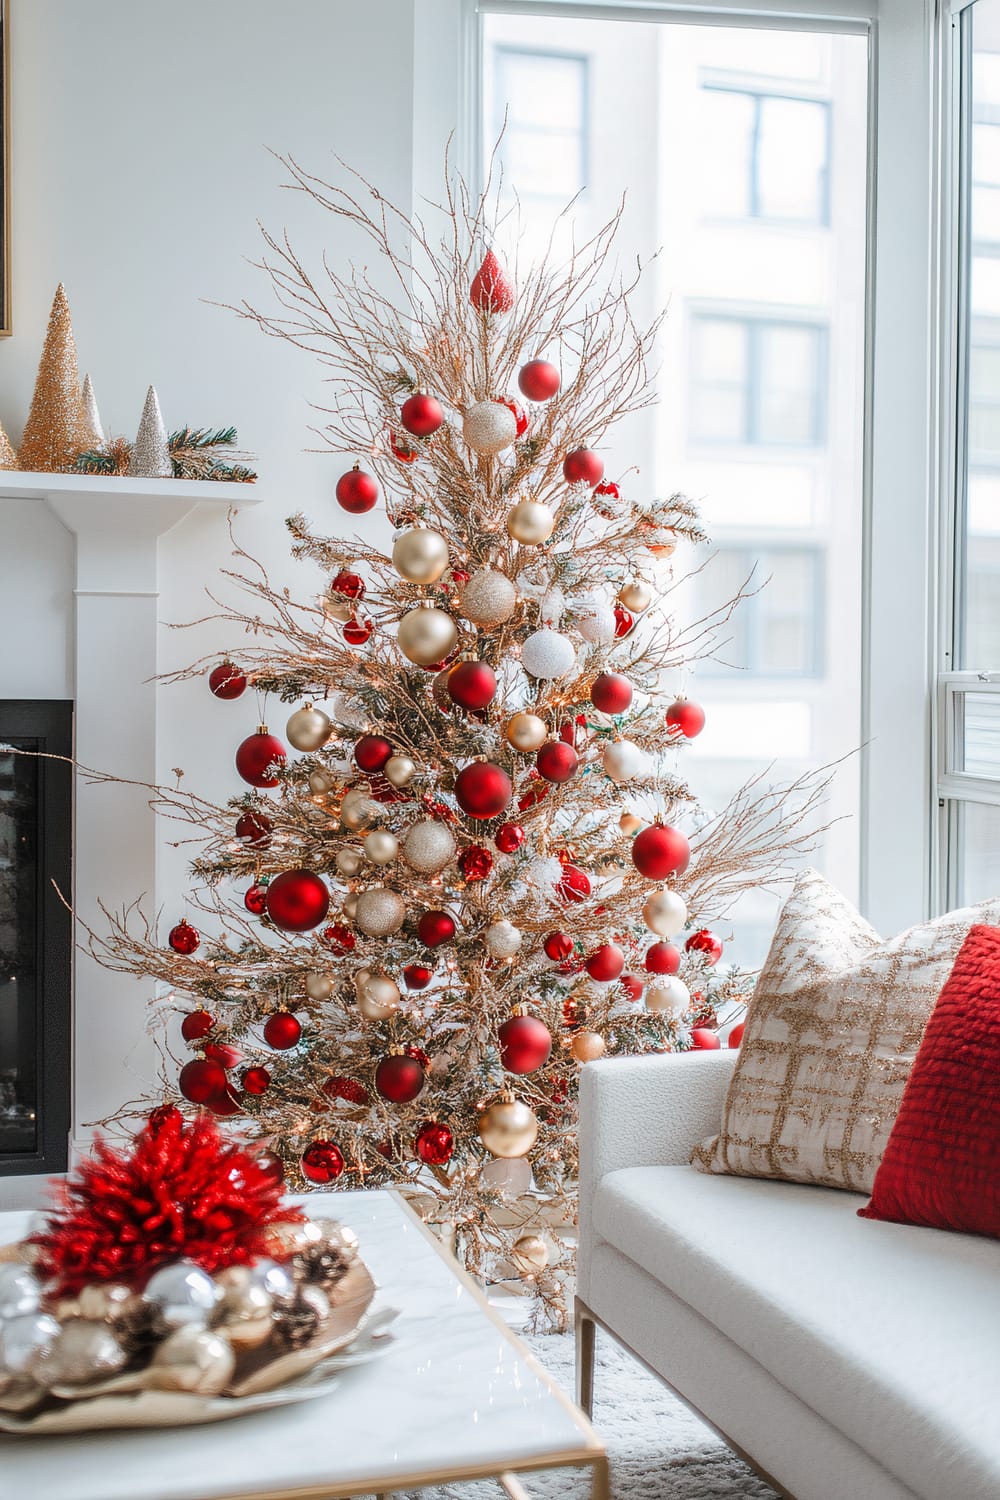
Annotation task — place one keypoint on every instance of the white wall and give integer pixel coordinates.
(139, 171)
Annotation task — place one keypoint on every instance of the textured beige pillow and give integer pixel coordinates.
(833, 1028)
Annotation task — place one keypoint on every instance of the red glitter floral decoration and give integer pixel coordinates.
(180, 1191)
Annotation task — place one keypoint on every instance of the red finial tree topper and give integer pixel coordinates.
(490, 291)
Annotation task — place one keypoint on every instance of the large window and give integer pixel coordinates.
(969, 737)
(742, 152)
(768, 156)
(756, 381)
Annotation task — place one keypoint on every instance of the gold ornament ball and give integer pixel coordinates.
(381, 847)
(349, 862)
(489, 427)
(428, 846)
(665, 913)
(321, 782)
(530, 523)
(629, 823)
(508, 1128)
(636, 596)
(588, 1046)
(502, 938)
(420, 555)
(380, 911)
(358, 810)
(526, 732)
(84, 1351)
(350, 906)
(320, 986)
(488, 599)
(378, 997)
(399, 770)
(245, 1314)
(193, 1359)
(308, 728)
(530, 1253)
(108, 1302)
(361, 978)
(426, 635)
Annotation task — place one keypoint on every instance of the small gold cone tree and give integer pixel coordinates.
(56, 429)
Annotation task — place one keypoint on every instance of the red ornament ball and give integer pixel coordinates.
(372, 753)
(202, 1080)
(482, 789)
(184, 938)
(435, 928)
(357, 492)
(685, 718)
(611, 693)
(735, 1037)
(256, 1081)
(518, 413)
(254, 830)
(401, 450)
(322, 1162)
(225, 1103)
(338, 938)
(434, 1143)
(422, 415)
(271, 1166)
(348, 1089)
(297, 900)
(509, 837)
(583, 466)
(557, 761)
(282, 1030)
(417, 976)
(573, 885)
(224, 1053)
(255, 900)
(624, 623)
(707, 944)
(703, 1040)
(475, 863)
(606, 964)
(227, 681)
(659, 851)
(356, 631)
(350, 585)
(525, 1044)
(609, 488)
(663, 958)
(538, 380)
(196, 1024)
(490, 291)
(632, 985)
(472, 684)
(258, 758)
(558, 946)
(399, 1078)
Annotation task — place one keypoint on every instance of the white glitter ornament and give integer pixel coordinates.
(91, 415)
(596, 623)
(624, 761)
(502, 938)
(489, 427)
(552, 606)
(547, 654)
(665, 913)
(380, 911)
(151, 452)
(428, 846)
(668, 993)
(488, 599)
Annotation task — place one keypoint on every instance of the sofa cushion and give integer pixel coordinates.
(887, 1332)
(834, 1025)
(940, 1166)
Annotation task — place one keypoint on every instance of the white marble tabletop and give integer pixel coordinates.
(457, 1395)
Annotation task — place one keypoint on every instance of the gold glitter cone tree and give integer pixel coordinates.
(472, 861)
(8, 458)
(56, 429)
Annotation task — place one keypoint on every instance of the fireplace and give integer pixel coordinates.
(36, 952)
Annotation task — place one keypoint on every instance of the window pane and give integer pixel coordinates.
(727, 136)
(979, 859)
(544, 98)
(791, 160)
(788, 378)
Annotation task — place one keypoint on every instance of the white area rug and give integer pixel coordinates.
(658, 1450)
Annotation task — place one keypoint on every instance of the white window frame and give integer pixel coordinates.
(903, 457)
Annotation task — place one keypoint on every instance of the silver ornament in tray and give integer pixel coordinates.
(180, 1294)
(24, 1342)
(192, 1359)
(82, 1353)
(20, 1293)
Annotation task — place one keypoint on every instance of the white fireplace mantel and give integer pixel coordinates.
(117, 523)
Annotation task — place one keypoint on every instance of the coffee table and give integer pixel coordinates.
(457, 1397)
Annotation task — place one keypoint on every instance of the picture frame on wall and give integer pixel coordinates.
(6, 312)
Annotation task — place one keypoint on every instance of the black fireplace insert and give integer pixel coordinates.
(36, 936)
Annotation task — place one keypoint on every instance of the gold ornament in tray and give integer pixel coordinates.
(171, 1286)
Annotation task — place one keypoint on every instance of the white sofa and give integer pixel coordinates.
(844, 1359)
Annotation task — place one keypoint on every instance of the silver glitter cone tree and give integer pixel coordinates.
(91, 415)
(465, 859)
(151, 451)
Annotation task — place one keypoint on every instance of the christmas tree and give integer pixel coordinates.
(483, 865)
(56, 429)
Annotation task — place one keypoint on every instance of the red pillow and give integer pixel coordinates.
(941, 1166)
